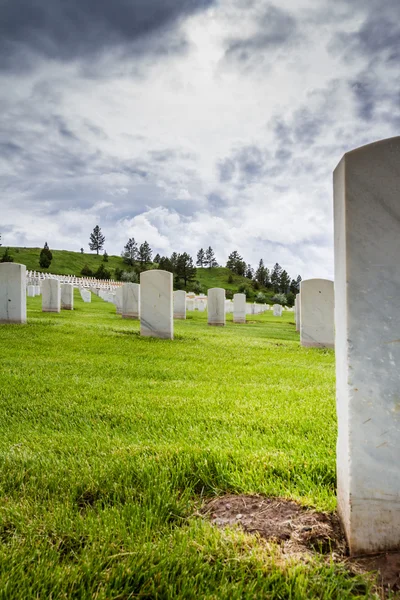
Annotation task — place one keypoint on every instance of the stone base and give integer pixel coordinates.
(52, 310)
(217, 324)
(180, 317)
(239, 321)
(65, 307)
(11, 322)
(132, 317)
(317, 345)
(161, 336)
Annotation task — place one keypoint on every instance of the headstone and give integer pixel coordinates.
(156, 305)
(130, 301)
(31, 292)
(216, 307)
(85, 295)
(180, 304)
(51, 295)
(316, 309)
(37, 290)
(367, 291)
(277, 310)
(12, 293)
(297, 311)
(67, 296)
(190, 304)
(239, 308)
(118, 300)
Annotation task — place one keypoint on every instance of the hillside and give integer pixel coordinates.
(66, 262)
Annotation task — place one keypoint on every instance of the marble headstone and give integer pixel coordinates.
(67, 296)
(85, 295)
(216, 307)
(118, 300)
(156, 304)
(130, 301)
(367, 292)
(277, 308)
(51, 295)
(180, 304)
(12, 293)
(31, 291)
(239, 308)
(317, 313)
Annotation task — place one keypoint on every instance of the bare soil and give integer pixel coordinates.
(301, 531)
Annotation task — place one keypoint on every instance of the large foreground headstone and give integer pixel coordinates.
(12, 293)
(216, 307)
(51, 295)
(156, 305)
(367, 291)
(317, 313)
(67, 296)
(277, 310)
(130, 301)
(239, 308)
(180, 304)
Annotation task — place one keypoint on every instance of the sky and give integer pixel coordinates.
(190, 123)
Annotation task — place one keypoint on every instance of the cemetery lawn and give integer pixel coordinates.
(111, 444)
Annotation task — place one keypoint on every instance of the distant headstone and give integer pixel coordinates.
(118, 300)
(239, 308)
(190, 304)
(216, 307)
(37, 290)
(31, 292)
(180, 304)
(316, 310)
(156, 304)
(51, 295)
(367, 344)
(130, 301)
(85, 295)
(67, 296)
(12, 293)
(277, 308)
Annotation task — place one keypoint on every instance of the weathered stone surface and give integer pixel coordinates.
(67, 296)
(156, 304)
(277, 308)
(216, 306)
(85, 295)
(180, 304)
(31, 291)
(118, 300)
(51, 295)
(12, 293)
(367, 289)
(317, 313)
(239, 308)
(131, 301)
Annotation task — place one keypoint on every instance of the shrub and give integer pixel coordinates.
(228, 294)
(197, 287)
(260, 298)
(279, 299)
(6, 257)
(244, 289)
(105, 256)
(87, 271)
(230, 278)
(129, 276)
(102, 273)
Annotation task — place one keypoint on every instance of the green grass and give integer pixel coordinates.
(110, 443)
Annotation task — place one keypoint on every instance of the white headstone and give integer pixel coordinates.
(31, 292)
(130, 301)
(156, 305)
(190, 304)
(180, 304)
(85, 295)
(67, 296)
(216, 306)
(367, 291)
(277, 310)
(297, 311)
(37, 290)
(316, 309)
(118, 299)
(51, 295)
(12, 293)
(239, 308)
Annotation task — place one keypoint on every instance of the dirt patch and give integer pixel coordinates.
(294, 527)
(300, 532)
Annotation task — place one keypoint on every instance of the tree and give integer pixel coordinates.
(97, 239)
(6, 256)
(260, 273)
(45, 256)
(249, 272)
(285, 282)
(201, 258)
(280, 299)
(130, 253)
(236, 264)
(174, 261)
(129, 276)
(210, 258)
(185, 268)
(82, 251)
(276, 277)
(105, 256)
(102, 273)
(144, 254)
(157, 258)
(0, 238)
(165, 264)
(86, 271)
(295, 285)
(244, 289)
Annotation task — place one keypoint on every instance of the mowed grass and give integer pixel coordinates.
(110, 444)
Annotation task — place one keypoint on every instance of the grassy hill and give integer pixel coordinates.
(66, 262)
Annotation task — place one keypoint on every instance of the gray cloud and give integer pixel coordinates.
(77, 29)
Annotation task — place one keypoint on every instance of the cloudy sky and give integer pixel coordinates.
(190, 123)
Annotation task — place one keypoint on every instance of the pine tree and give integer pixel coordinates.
(276, 277)
(201, 258)
(236, 264)
(45, 257)
(295, 285)
(165, 264)
(97, 240)
(284, 282)
(157, 259)
(174, 261)
(105, 256)
(260, 273)
(144, 254)
(210, 258)
(130, 253)
(185, 268)
(0, 238)
(249, 272)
